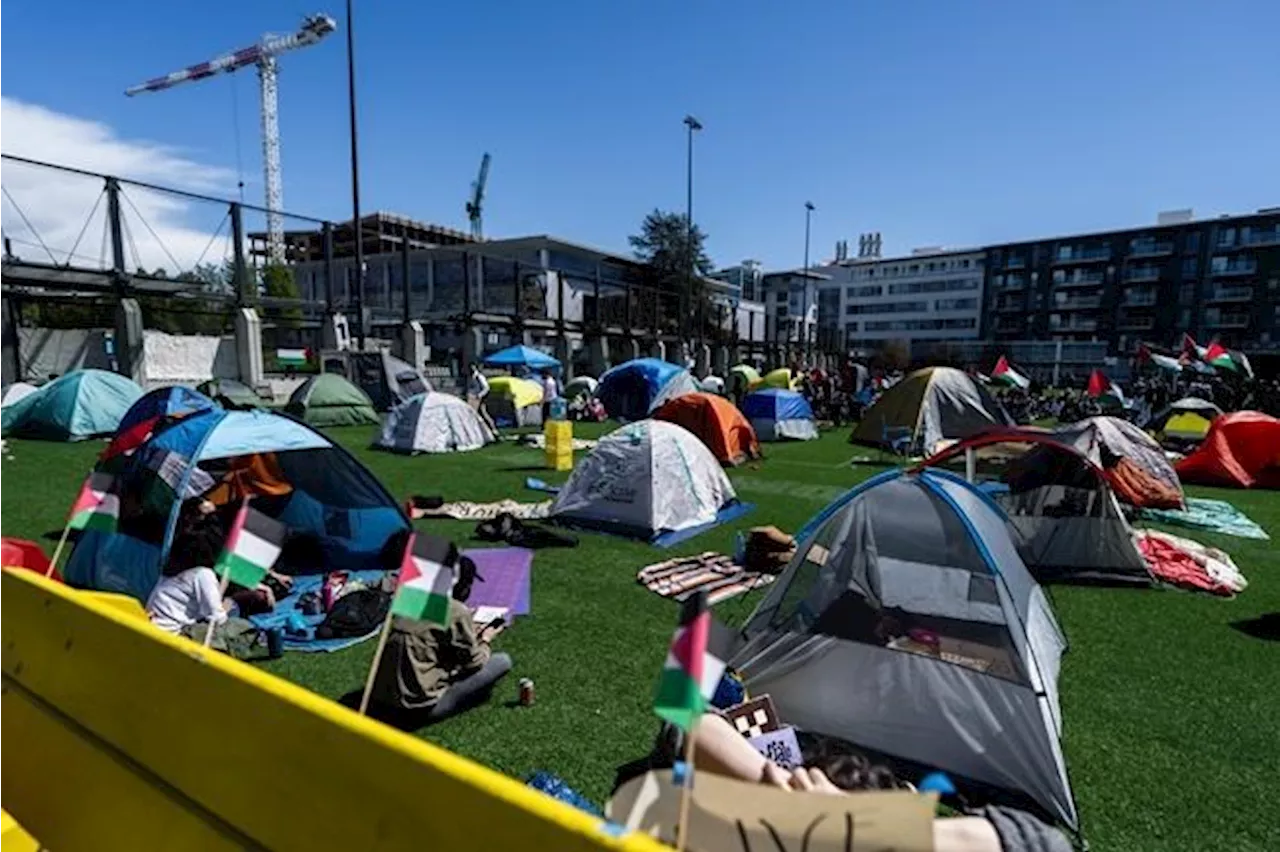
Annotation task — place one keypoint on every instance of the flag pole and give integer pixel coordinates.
(377, 660)
(57, 551)
(690, 746)
(222, 593)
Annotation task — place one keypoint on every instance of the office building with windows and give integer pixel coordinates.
(929, 296)
(791, 305)
(1214, 279)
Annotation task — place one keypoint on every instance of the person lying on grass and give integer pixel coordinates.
(428, 672)
(722, 750)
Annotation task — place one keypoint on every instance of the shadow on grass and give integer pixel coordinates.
(1265, 627)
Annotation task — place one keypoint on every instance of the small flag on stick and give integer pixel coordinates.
(690, 675)
(426, 580)
(97, 507)
(1007, 375)
(1218, 356)
(252, 548)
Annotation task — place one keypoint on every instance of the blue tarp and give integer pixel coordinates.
(334, 497)
(776, 404)
(83, 404)
(522, 356)
(176, 401)
(632, 389)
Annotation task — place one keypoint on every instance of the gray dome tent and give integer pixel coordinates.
(907, 624)
(433, 423)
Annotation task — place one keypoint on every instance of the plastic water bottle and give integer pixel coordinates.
(559, 408)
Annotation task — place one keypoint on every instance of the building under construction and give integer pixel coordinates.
(383, 233)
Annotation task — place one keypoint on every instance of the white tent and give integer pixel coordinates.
(17, 391)
(433, 423)
(644, 479)
(713, 384)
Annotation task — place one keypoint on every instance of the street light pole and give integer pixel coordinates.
(808, 212)
(693, 124)
(356, 229)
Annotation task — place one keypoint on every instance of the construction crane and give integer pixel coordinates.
(263, 54)
(475, 207)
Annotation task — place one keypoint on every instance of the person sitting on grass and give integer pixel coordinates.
(428, 672)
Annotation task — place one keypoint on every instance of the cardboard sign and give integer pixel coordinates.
(780, 746)
(726, 815)
(753, 718)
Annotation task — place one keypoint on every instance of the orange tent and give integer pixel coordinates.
(716, 422)
(1241, 450)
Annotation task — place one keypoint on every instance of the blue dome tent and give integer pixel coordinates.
(522, 356)
(777, 414)
(83, 404)
(324, 491)
(631, 390)
(151, 409)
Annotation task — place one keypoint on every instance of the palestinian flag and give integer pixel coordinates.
(1190, 349)
(426, 579)
(690, 675)
(1100, 386)
(1217, 356)
(96, 507)
(251, 549)
(291, 357)
(1164, 362)
(1007, 375)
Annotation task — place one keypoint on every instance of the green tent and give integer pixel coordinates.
(230, 394)
(330, 400)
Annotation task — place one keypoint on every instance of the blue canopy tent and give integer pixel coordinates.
(326, 492)
(151, 409)
(631, 390)
(776, 414)
(82, 404)
(522, 356)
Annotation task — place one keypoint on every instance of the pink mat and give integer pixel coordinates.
(507, 573)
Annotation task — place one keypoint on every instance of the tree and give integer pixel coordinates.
(278, 283)
(665, 245)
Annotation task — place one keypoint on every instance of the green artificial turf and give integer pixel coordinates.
(1172, 717)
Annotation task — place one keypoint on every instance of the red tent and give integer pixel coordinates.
(1241, 450)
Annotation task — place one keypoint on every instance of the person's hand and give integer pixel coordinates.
(490, 632)
(206, 507)
(266, 590)
(813, 781)
(773, 775)
(283, 579)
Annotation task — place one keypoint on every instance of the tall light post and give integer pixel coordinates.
(804, 319)
(356, 230)
(693, 125)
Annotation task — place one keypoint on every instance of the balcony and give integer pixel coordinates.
(1235, 319)
(1150, 248)
(1239, 266)
(1014, 261)
(1138, 323)
(1009, 325)
(1139, 297)
(1142, 273)
(1260, 236)
(1076, 303)
(1059, 323)
(1080, 279)
(1008, 305)
(1079, 254)
(1230, 294)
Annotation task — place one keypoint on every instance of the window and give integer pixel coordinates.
(942, 286)
(929, 266)
(913, 269)
(1226, 237)
(863, 292)
(887, 308)
(956, 304)
(1189, 266)
(964, 264)
(1187, 293)
(922, 324)
(1193, 242)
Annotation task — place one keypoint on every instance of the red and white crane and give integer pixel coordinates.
(263, 54)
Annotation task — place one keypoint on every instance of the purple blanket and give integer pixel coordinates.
(507, 572)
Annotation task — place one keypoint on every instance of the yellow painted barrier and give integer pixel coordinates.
(119, 736)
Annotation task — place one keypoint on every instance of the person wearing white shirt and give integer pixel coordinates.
(477, 390)
(186, 599)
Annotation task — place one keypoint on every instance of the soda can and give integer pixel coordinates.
(526, 692)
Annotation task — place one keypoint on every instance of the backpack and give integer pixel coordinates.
(357, 613)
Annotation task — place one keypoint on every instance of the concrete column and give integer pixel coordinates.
(248, 329)
(128, 342)
(564, 353)
(472, 349)
(720, 361)
(630, 348)
(678, 353)
(413, 344)
(335, 333)
(598, 351)
(658, 349)
(702, 360)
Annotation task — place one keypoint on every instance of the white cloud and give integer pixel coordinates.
(57, 204)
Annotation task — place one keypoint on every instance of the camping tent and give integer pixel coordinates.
(1185, 421)
(716, 423)
(330, 400)
(79, 405)
(580, 386)
(522, 356)
(1135, 465)
(16, 392)
(514, 402)
(778, 414)
(385, 378)
(307, 482)
(1242, 450)
(230, 394)
(907, 624)
(642, 480)
(780, 378)
(742, 379)
(632, 390)
(929, 406)
(1063, 515)
(712, 384)
(153, 408)
(433, 423)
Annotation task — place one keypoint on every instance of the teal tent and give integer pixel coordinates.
(83, 404)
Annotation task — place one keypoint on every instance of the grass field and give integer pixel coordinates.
(1172, 717)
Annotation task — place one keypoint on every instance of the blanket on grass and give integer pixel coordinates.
(1213, 515)
(287, 607)
(465, 511)
(1190, 565)
(715, 573)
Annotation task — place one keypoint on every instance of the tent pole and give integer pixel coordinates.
(970, 465)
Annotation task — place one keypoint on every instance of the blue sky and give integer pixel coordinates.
(951, 122)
